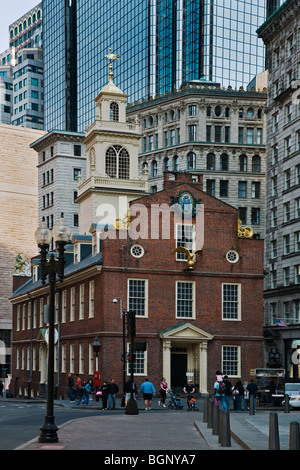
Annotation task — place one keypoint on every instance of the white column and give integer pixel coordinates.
(203, 366)
(167, 361)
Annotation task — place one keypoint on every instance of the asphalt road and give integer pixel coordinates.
(21, 422)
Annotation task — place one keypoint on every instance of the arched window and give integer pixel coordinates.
(166, 164)
(243, 163)
(123, 164)
(210, 161)
(175, 163)
(154, 168)
(114, 111)
(256, 164)
(191, 161)
(117, 162)
(111, 162)
(224, 162)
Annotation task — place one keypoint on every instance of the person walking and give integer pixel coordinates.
(104, 395)
(252, 388)
(163, 391)
(237, 393)
(128, 391)
(78, 386)
(112, 393)
(147, 390)
(71, 388)
(246, 396)
(228, 388)
(88, 389)
(219, 388)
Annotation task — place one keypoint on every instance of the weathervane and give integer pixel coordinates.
(110, 57)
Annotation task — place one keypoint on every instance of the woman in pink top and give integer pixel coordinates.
(163, 391)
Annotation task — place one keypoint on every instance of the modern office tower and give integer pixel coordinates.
(162, 44)
(28, 89)
(21, 73)
(7, 62)
(282, 243)
(61, 165)
(61, 64)
(204, 129)
(26, 32)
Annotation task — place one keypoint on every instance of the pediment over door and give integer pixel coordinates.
(185, 332)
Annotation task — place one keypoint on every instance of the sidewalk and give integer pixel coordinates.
(163, 429)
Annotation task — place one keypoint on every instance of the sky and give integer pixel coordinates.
(10, 11)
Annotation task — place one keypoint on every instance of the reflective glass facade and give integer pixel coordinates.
(162, 43)
(54, 64)
(233, 53)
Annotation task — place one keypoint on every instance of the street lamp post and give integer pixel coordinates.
(124, 346)
(96, 348)
(131, 408)
(51, 268)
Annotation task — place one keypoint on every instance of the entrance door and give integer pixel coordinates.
(178, 371)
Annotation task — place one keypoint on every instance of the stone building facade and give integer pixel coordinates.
(18, 215)
(61, 166)
(280, 34)
(209, 130)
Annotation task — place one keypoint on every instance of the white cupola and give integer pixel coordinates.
(112, 159)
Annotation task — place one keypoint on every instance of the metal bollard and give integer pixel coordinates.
(221, 416)
(210, 414)
(205, 409)
(216, 418)
(226, 435)
(294, 436)
(251, 405)
(273, 432)
(286, 404)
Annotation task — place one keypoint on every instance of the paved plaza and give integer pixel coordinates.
(165, 430)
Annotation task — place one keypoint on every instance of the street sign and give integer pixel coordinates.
(55, 336)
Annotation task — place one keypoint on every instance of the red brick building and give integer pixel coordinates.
(192, 321)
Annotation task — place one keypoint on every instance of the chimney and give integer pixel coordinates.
(182, 177)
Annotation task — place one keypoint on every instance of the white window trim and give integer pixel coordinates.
(193, 317)
(238, 347)
(193, 242)
(146, 295)
(239, 300)
(145, 373)
(91, 299)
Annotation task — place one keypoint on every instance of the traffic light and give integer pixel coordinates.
(130, 324)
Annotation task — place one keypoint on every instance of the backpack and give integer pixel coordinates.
(222, 388)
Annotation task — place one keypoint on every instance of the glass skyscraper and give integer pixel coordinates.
(162, 43)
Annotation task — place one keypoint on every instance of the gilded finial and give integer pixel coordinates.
(244, 232)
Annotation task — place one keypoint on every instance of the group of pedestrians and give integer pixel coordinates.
(239, 393)
(82, 391)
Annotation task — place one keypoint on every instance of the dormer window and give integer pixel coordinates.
(114, 111)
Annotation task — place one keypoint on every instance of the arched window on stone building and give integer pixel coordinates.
(117, 162)
(114, 111)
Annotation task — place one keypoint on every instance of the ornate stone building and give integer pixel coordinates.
(280, 34)
(204, 129)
